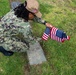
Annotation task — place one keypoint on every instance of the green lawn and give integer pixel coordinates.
(61, 57)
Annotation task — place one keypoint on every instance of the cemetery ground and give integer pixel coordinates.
(61, 57)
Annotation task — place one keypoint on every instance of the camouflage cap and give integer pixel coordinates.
(33, 5)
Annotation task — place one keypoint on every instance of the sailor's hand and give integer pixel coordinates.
(48, 25)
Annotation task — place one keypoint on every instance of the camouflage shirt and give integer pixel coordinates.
(15, 34)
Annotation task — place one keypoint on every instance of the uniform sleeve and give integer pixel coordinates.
(39, 20)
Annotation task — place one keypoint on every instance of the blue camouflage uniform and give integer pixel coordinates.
(15, 34)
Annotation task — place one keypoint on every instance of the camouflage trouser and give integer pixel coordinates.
(15, 34)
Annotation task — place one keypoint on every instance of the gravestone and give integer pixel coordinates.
(35, 54)
(14, 3)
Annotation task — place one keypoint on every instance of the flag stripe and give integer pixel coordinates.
(53, 35)
(45, 36)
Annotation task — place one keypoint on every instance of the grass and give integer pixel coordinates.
(61, 57)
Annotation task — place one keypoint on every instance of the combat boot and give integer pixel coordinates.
(6, 53)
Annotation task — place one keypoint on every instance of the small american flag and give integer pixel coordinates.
(46, 34)
(68, 38)
(54, 37)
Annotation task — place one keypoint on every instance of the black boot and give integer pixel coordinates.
(6, 53)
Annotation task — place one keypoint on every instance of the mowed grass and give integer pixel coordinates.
(61, 57)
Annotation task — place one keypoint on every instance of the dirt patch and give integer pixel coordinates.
(27, 69)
